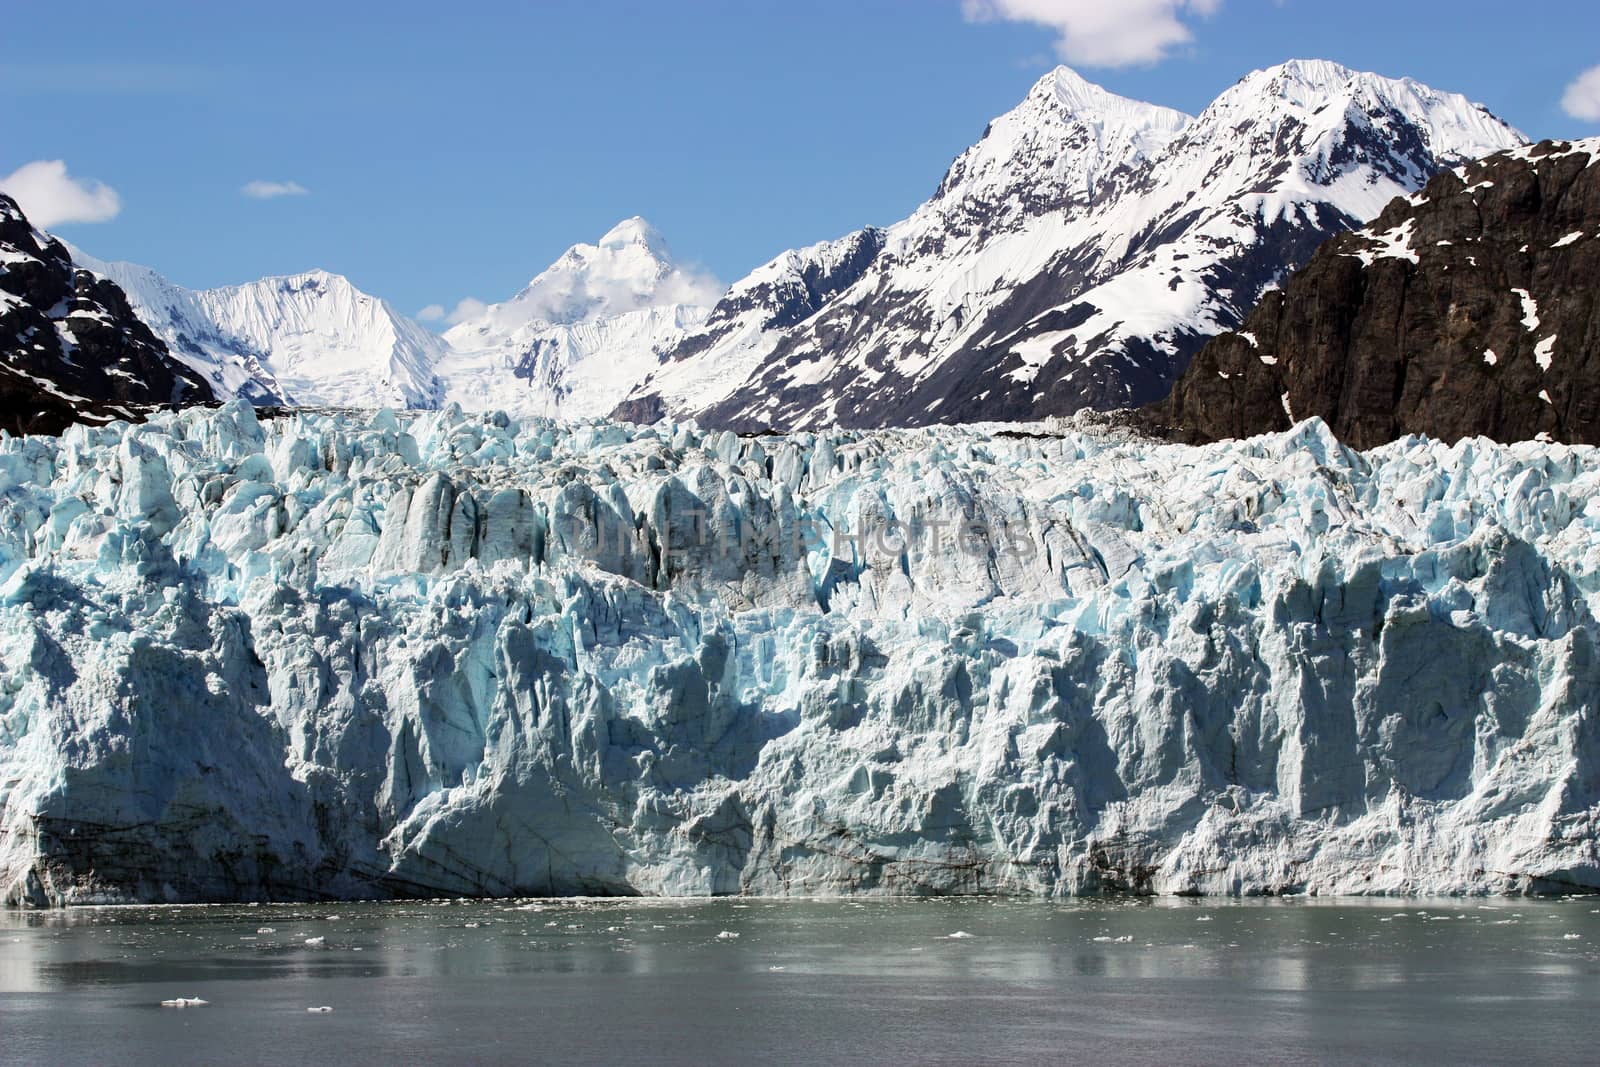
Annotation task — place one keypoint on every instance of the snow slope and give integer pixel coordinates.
(467, 654)
(306, 339)
(1077, 256)
(621, 300)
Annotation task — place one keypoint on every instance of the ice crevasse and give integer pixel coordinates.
(336, 655)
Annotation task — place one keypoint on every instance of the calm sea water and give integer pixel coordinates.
(961, 981)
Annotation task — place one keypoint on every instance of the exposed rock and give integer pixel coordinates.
(71, 349)
(1468, 309)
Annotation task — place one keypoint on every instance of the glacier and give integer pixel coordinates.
(393, 654)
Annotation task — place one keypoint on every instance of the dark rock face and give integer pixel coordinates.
(1468, 309)
(71, 349)
(791, 298)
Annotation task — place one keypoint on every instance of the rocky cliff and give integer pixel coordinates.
(71, 348)
(1471, 308)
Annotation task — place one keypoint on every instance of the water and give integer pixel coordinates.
(806, 981)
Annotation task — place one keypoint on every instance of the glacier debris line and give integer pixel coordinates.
(339, 655)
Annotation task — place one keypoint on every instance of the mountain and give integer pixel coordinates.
(726, 350)
(310, 339)
(1466, 310)
(71, 347)
(1076, 256)
(623, 299)
(447, 653)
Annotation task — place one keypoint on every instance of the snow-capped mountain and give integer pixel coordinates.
(623, 299)
(315, 340)
(310, 339)
(71, 348)
(776, 296)
(1466, 310)
(1076, 256)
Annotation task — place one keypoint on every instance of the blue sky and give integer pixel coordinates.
(454, 150)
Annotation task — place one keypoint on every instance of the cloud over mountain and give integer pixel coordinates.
(51, 196)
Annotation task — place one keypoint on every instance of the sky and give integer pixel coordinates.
(436, 153)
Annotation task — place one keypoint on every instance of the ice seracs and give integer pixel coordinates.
(466, 653)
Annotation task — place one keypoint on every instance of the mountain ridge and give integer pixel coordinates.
(307, 338)
(1075, 256)
(1029, 299)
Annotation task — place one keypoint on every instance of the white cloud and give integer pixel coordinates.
(259, 190)
(1101, 33)
(1582, 100)
(468, 308)
(431, 313)
(689, 285)
(49, 196)
(566, 295)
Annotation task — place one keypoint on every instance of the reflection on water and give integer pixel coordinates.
(786, 981)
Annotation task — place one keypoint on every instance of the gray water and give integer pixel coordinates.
(806, 982)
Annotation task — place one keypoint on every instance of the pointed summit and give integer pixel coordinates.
(636, 232)
(630, 268)
(1327, 120)
(1068, 136)
(620, 298)
(1075, 93)
(1302, 78)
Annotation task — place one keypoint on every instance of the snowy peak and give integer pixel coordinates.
(629, 269)
(328, 343)
(311, 338)
(624, 297)
(1321, 112)
(1076, 256)
(1064, 140)
(1071, 96)
(635, 232)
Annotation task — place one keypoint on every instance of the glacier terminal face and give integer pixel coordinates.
(385, 655)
